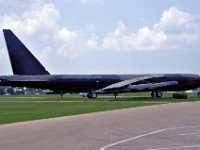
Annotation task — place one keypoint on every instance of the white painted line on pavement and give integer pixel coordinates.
(141, 136)
(190, 134)
(182, 147)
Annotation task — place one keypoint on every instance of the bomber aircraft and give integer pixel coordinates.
(29, 72)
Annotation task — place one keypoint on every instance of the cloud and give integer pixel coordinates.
(42, 23)
(174, 21)
(42, 18)
(175, 29)
(144, 39)
(38, 24)
(92, 43)
(121, 28)
(65, 35)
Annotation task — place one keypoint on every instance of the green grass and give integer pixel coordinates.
(24, 108)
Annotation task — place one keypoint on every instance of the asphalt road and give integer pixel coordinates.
(161, 127)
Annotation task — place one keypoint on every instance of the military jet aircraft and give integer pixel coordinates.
(29, 72)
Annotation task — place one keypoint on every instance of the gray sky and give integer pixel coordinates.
(106, 36)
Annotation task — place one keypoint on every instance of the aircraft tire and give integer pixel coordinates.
(156, 94)
(92, 95)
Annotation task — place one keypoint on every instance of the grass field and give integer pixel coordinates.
(24, 108)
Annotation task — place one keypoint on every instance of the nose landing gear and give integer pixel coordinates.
(156, 94)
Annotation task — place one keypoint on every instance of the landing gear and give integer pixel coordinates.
(115, 95)
(156, 94)
(61, 94)
(92, 95)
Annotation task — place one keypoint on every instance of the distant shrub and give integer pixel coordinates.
(180, 96)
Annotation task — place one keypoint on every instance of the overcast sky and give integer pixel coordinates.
(105, 36)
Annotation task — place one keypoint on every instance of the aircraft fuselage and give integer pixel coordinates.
(88, 83)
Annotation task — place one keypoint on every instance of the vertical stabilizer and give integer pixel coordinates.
(22, 60)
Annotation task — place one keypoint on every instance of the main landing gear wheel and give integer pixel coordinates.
(156, 94)
(61, 94)
(92, 95)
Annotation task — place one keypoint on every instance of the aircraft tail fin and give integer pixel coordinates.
(22, 60)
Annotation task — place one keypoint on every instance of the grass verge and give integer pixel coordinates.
(23, 108)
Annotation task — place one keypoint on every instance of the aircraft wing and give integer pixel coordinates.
(152, 86)
(128, 85)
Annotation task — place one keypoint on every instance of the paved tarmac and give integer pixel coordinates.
(161, 127)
